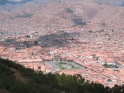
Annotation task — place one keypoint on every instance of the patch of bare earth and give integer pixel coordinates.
(18, 75)
(3, 91)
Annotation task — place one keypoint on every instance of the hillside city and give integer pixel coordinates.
(96, 54)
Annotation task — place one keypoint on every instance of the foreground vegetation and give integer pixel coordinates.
(37, 82)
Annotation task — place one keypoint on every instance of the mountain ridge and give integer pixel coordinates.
(60, 12)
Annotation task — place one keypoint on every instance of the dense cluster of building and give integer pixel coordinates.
(99, 52)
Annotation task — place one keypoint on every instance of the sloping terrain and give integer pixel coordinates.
(110, 17)
(110, 2)
(83, 13)
(37, 82)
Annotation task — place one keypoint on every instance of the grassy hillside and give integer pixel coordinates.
(14, 78)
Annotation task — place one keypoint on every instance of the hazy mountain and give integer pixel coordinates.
(86, 13)
(4, 2)
(110, 2)
(107, 2)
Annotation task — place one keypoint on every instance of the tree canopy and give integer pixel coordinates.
(38, 82)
